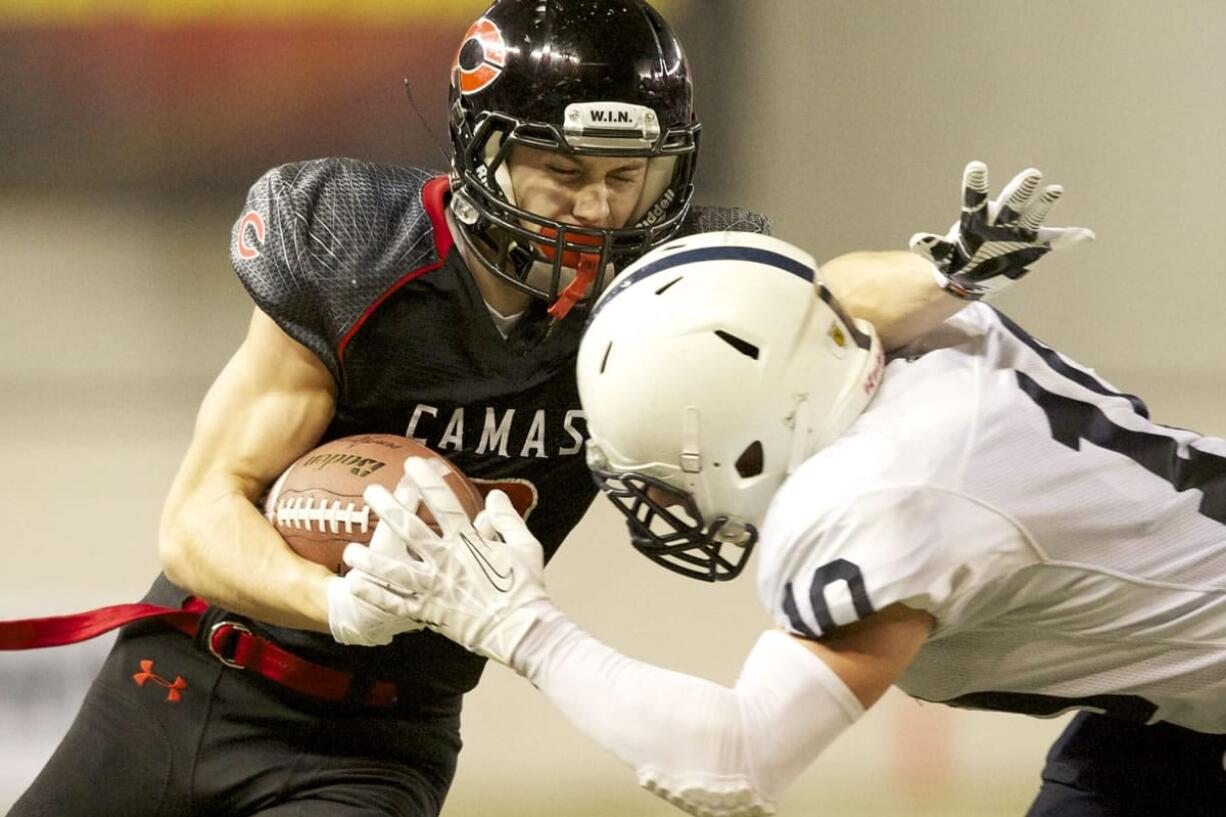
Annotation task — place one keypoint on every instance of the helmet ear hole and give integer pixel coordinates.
(751, 462)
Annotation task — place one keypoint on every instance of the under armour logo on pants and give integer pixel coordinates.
(174, 689)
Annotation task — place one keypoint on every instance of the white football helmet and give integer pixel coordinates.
(711, 369)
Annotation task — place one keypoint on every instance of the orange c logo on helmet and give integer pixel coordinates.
(481, 57)
(250, 219)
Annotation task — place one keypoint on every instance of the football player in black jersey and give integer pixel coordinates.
(396, 300)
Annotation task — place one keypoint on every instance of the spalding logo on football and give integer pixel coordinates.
(316, 504)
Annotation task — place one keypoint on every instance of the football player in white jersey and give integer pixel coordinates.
(979, 520)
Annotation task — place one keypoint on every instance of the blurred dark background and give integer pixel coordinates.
(164, 100)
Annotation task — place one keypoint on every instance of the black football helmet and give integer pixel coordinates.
(582, 77)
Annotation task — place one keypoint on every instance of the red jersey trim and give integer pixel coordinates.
(432, 197)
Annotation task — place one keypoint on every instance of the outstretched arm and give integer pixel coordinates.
(990, 246)
(715, 750)
(709, 749)
(894, 291)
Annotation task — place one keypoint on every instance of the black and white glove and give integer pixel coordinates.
(476, 584)
(995, 241)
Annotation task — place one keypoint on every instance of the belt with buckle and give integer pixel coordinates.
(230, 642)
(234, 645)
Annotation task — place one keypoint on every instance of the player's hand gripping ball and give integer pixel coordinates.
(317, 506)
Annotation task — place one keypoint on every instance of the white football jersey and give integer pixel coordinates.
(1072, 551)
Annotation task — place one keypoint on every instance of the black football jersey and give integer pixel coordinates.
(356, 262)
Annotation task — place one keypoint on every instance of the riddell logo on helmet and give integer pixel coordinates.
(481, 57)
(658, 209)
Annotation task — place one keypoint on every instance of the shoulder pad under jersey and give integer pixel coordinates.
(319, 241)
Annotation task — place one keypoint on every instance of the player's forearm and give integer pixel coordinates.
(271, 402)
(894, 291)
(222, 549)
(704, 747)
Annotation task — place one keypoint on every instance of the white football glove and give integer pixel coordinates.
(358, 622)
(994, 242)
(353, 621)
(474, 584)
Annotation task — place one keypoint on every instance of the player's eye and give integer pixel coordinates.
(629, 174)
(560, 170)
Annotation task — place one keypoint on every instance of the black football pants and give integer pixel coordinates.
(167, 731)
(1105, 767)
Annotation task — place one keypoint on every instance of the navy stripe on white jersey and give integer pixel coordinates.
(1072, 551)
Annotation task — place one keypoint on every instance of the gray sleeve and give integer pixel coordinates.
(269, 251)
(319, 242)
(716, 219)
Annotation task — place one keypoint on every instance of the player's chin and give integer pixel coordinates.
(540, 276)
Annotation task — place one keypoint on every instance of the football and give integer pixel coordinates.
(317, 506)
